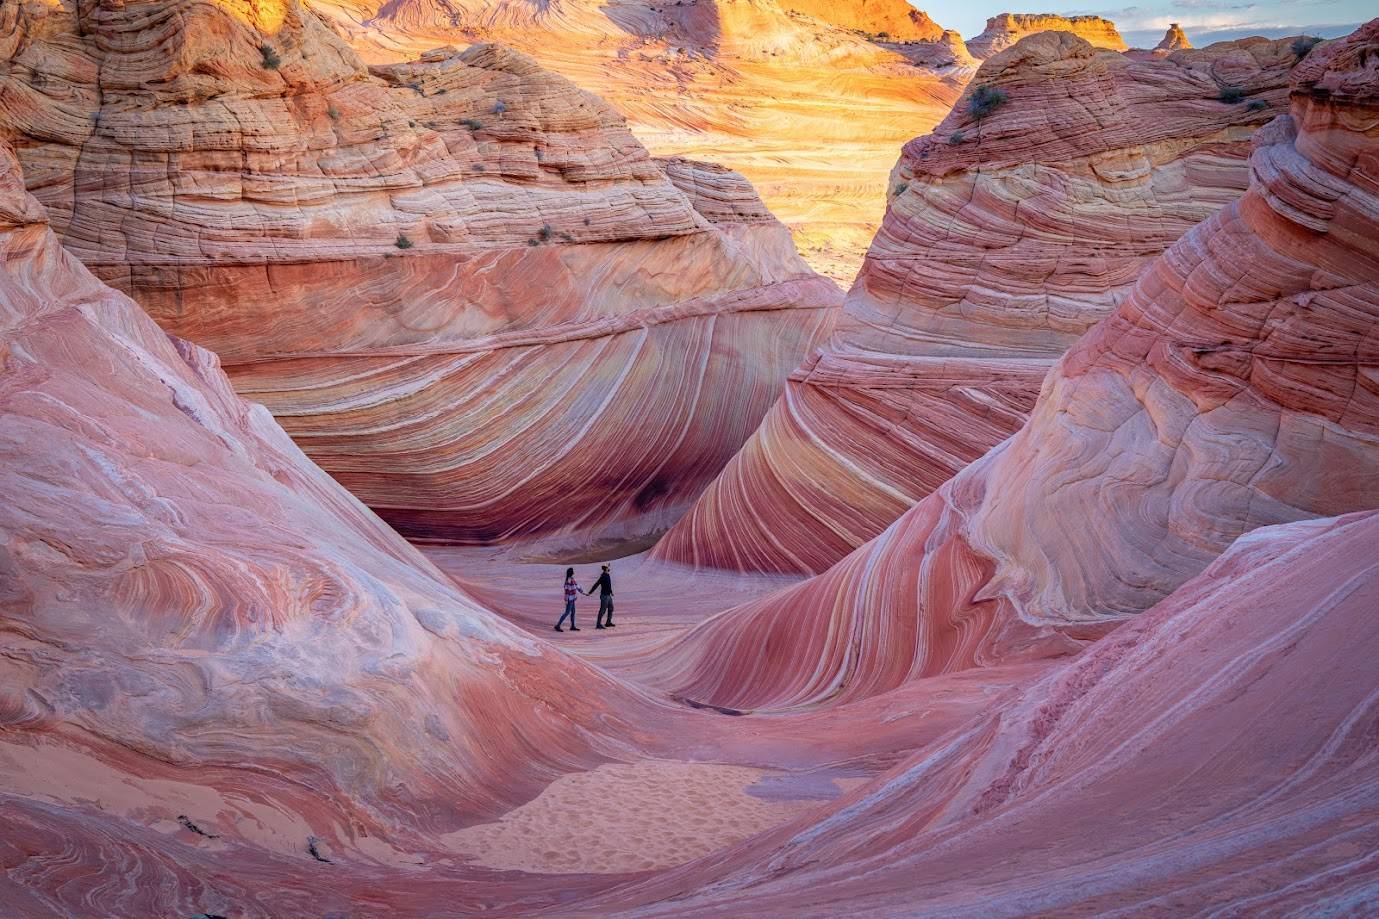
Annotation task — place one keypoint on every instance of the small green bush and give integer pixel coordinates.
(985, 100)
(1231, 95)
(333, 113)
(271, 61)
(544, 234)
(1303, 45)
(1257, 105)
(402, 242)
(500, 107)
(473, 124)
(900, 189)
(956, 138)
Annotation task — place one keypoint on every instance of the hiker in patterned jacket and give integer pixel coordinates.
(571, 594)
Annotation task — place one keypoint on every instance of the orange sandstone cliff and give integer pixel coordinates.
(807, 99)
(1008, 28)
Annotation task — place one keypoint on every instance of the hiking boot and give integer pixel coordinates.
(559, 629)
(574, 628)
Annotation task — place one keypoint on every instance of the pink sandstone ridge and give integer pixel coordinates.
(459, 283)
(1008, 28)
(1232, 388)
(1215, 755)
(997, 252)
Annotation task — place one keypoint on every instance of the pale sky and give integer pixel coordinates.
(1204, 21)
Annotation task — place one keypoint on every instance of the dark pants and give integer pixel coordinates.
(569, 611)
(605, 606)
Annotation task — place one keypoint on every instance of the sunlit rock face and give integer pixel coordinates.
(1232, 725)
(1005, 30)
(201, 627)
(1175, 39)
(808, 99)
(1233, 388)
(460, 284)
(1006, 238)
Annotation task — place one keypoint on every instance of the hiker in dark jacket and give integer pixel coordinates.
(605, 588)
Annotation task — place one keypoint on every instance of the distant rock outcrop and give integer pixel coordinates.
(1232, 388)
(1175, 39)
(892, 20)
(458, 282)
(1006, 238)
(807, 98)
(1008, 28)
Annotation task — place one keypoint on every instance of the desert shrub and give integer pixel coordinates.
(271, 61)
(1257, 105)
(1231, 95)
(333, 113)
(500, 107)
(956, 138)
(402, 242)
(545, 233)
(900, 189)
(473, 124)
(985, 100)
(1303, 45)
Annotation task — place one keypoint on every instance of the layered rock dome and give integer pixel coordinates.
(1232, 388)
(422, 268)
(1006, 238)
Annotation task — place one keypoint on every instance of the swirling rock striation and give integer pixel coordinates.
(459, 282)
(202, 630)
(1233, 388)
(996, 253)
(1232, 725)
(1007, 29)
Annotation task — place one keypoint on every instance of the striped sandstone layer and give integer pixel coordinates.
(1233, 388)
(1007, 29)
(459, 283)
(1003, 242)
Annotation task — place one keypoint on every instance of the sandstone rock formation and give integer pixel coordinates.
(946, 54)
(194, 616)
(1174, 40)
(1232, 388)
(889, 20)
(1008, 28)
(1231, 726)
(997, 252)
(805, 98)
(458, 283)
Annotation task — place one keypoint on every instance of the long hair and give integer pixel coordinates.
(569, 573)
